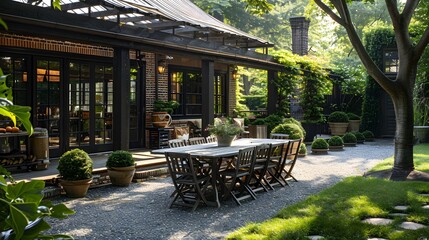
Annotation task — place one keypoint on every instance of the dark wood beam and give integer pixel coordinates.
(112, 12)
(121, 98)
(164, 25)
(135, 19)
(208, 93)
(77, 5)
(272, 92)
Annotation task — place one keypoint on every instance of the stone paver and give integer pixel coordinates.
(425, 207)
(378, 221)
(315, 237)
(398, 214)
(377, 239)
(411, 225)
(424, 194)
(401, 208)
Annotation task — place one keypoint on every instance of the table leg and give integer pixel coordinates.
(215, 173)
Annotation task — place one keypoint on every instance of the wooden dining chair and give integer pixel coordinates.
(290, 159)
(240, 173)
(190, 184)
(173, 143)
(273, 172)
(260, 168)
(211, 139)
(196, 141)
(279, 136)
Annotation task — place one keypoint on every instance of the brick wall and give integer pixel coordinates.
(232, 101)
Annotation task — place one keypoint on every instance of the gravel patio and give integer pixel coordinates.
(141, 210)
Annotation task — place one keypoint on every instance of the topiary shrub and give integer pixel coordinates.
(368, 134)
(272, 121)
(349, 138)
(319, 143)
(359, 136)
(353, 116)
(75, 165)
(258, 121)
(293, 120)
(336, 141)
(120, 158)
(289, 128)
(302, 149)
(338, 117)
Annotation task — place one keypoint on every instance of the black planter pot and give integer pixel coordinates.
(312, 129)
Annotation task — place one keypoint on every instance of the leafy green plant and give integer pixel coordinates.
(258, 121)
(368, 134)
(289, 128)
(359, 136)
(23, 209)
(225, 127)
(353, 116)
(293, 120)
(120, 158)
(319, 143)
(349, 138)
(338, 117)
(165, 106)
(336, 141)
(272, 121)
(302, 149)
(75, 165)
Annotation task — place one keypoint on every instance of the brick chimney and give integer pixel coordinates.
(299, 35)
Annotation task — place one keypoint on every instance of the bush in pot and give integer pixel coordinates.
(75, 167)
(360, 138)
(354, 122)
(121, 168)
(338, 122)
(293, 130)
(302, 150)
(349, 139)
(336, 143)
(319, 145)
(293, 120)
(369, 136)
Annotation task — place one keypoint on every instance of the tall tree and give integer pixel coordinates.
(399, 89)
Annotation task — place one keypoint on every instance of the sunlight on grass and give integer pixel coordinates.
(337, 212)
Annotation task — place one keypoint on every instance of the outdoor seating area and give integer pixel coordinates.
(238, 171)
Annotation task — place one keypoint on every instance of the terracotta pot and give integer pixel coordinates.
(319, 151)
(353, 125)
(121, 176)
(336, 148)
(224, 140)
(76, 189)
(338, 129)
(161, 119)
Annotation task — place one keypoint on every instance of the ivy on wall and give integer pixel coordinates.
(375, 41)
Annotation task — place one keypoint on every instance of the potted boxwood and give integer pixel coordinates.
(336, 143)
(292, 129)
(319, 146)
(369, 136)
(302, 152)
(338, 122)
(360, 138)
(354, 122)
(121, 168)
(75, 167)
(349, 140)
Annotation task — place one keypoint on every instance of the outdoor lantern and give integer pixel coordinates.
(161, 66)
(235, 74)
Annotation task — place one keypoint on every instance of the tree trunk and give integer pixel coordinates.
(403, 158)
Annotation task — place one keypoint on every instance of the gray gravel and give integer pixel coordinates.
(141, 210)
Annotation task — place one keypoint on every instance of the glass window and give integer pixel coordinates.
(391, 61)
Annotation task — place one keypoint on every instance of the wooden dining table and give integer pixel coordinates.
(210, 152)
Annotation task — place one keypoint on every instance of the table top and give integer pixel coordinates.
(211, 150)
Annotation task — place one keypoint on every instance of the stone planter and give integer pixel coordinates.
(353, 126)
(422, 133)
(224, 140)
(349, 144)
(338, 129)
(76, 189)
(336, 148)
(258, 131)
(121, 176)
(319, 151)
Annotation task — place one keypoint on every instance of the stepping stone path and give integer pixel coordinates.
(377, 239)
(378, 221)
(424, 194)
(426, 207)
(315, 237)
(398, 214)
(401, 208)
(411, 225)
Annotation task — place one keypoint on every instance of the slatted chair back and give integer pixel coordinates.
(279, 136)
(190, 184)
(196, 140)
(262, 158)
(173, 143)
(211, 139)
(263, 153)
(246, 158)
(290, 156)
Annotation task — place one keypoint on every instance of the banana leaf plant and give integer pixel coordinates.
(14, 112)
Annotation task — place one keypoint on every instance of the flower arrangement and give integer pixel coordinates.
(225, 127)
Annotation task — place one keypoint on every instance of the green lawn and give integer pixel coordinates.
(337, 212)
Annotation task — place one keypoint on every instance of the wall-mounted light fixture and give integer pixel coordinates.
(139, 58)
(162, 64)
(235, 74)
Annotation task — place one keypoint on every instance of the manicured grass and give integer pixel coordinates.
(421, 159)
(337, 212)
